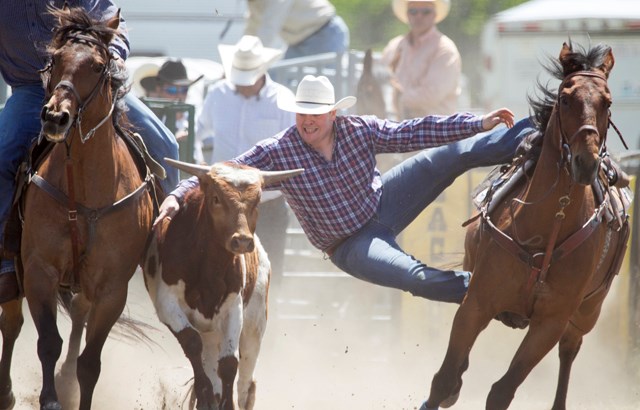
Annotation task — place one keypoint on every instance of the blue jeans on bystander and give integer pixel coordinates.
(332, 37)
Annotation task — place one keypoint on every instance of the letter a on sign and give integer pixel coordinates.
(437, 222)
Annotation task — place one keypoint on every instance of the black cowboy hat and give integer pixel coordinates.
(171, 72)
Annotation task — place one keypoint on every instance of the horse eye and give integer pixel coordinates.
(564, 100)
(98, 68)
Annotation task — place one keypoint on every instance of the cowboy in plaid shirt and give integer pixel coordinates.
(351, 212)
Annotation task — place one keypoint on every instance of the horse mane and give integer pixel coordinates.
(75, 21)
(580, 59)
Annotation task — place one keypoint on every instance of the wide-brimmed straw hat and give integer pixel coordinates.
(314, 95)
(171, 72)
(441, 6)
(247, 61)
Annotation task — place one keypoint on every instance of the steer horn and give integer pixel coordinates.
(273, 177)
(269, 177)
(193, 169)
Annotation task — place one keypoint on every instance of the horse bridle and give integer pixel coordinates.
(105, 76)
(565, 143)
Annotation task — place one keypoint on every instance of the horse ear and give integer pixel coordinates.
(607, 64)
(64, 11)
(565, 53)
(567, 60)
(114, 22)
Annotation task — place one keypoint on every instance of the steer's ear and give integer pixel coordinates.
(274, 177)
(193, 169)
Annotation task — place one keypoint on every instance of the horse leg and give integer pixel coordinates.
(568, 349)
(10, 325)
(78, 310)
(107, 308)
(67, 385)
(40, 290)
(468, 322)
(538, 341)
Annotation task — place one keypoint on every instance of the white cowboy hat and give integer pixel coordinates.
(400, 8)
(245, 62)
(144, 71)
(314, 95)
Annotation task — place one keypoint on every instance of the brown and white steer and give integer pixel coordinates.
(208, 278)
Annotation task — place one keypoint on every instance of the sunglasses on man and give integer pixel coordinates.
(175, 89)
(424, 12)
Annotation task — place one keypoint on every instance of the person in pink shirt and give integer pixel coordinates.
(424, 63)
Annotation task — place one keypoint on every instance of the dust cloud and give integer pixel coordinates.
(334, 342)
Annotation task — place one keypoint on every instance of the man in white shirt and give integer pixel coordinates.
(241, 110)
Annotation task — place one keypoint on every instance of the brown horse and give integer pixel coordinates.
(369, 91)
(547, 250)
(87, 212)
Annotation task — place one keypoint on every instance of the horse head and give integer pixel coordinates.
(582, 109)
(79, 72)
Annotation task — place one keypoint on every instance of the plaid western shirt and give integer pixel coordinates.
(333, 199)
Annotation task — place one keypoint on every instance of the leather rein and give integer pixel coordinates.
(92, 215)
(539, 263)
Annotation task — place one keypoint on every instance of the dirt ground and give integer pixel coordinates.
(322, 361)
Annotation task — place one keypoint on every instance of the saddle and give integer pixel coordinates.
(612, 182)
(147, 166)
(611, 191)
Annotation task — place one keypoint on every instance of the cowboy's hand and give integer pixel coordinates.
(168, 210)
(499, 116)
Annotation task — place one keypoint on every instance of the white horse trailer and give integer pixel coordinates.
(516, 41)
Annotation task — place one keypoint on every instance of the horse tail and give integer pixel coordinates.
(126, 328)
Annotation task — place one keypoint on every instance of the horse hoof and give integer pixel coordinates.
(424, 407)
(7, 401)
(450, 401)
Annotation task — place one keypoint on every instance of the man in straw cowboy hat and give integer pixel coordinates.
(425, 64)
(241, 110)
(351, 212)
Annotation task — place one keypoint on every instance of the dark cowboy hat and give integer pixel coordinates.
(171, 72)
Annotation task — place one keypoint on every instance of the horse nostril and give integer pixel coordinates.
(64, 118)
(43, 113)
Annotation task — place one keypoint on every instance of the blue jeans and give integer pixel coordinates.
(372, 253)
(160, 142)
(20, 125)
(332, 37)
